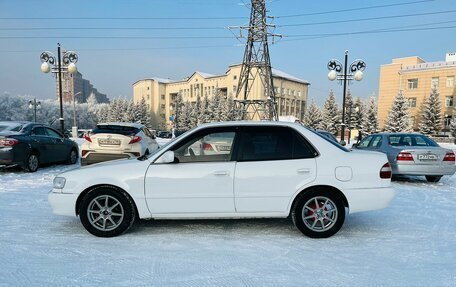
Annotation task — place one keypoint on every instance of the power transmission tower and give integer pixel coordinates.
(256, 66)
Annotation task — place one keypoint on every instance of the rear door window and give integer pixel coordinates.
(39, 131)
(365, 142)
(273, 143)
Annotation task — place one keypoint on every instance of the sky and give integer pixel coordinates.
(121, 41)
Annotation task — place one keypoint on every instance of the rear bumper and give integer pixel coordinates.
(414, 169)
(365, 199)
(7, 157)
(63, 203)
(96, 157)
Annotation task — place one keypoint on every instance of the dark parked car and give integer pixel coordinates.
(30, 145)
(164, 134)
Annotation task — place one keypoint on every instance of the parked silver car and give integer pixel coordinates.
(412, 154)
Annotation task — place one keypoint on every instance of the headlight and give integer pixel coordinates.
(59, 182)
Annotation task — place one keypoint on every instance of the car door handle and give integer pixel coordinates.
(221, 173)
(303, 170)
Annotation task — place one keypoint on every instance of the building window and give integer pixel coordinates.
(449, 101)
(234, 77)
(148, 88)
(412, 102)
(163, 106)
(299, 94)
(413, 84)
(447, 121)
(450, 81)
(412, 121)
(163, 97)
(148, 97)
(234, 88)
(435, 82)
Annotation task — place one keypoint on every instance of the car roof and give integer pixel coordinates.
(398, 134)
(10, 123)
(250, 123)
(134, 125)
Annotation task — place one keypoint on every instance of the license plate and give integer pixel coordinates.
(428, 157)
(224, 148)
(108, 142)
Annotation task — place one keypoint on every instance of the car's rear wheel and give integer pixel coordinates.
(319, 213)
(433, 178)
(73, 156)
(32, 163)
(107, 212)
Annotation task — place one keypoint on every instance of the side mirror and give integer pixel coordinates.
(167, 157)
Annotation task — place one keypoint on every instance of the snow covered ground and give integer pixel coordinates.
(411, 243)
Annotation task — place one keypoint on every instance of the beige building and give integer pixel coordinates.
(415, 78)
(160, 94)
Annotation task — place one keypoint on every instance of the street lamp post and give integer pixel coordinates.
(65, 64)
(34, 105)
(356, 72)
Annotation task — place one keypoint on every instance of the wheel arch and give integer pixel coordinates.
(317, 187)
(110, 186)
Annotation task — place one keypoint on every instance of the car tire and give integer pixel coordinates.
(433, 178)
(107, 212)
(73, 156)
(319, 213)
(32, 163)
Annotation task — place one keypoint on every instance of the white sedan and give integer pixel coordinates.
(272, 169)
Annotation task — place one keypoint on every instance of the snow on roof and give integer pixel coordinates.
(280, 74)
(205, 75)
(123, 124)
(161, 80)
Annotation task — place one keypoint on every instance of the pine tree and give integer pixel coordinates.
(330, 115)
(214, 107)
(313, 117)
(129, 115)
(141, 113)
(431, 118)
(349, 110)
(178, 111)
(452, 128)
(359, 115)
(370, 123)
(398, 117)
(202, 113)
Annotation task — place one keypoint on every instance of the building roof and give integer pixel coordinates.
(280, 74)
(429, 65)
(205, 75)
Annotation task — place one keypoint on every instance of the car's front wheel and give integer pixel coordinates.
(433, 178)
(319, 213)
(107, 212)
(73, 156)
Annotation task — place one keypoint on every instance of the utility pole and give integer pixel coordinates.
(256, 66)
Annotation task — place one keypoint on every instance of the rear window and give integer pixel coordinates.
(113, 129)
(14, 128)
(411, 140)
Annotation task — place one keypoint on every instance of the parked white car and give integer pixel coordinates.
(110, 141)
(273, 169)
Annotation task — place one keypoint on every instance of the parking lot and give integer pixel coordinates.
(411, 243)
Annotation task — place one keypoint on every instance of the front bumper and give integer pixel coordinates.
(415, 169)
(63, 203)
(365, 199)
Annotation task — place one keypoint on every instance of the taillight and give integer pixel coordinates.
(385, 171)
(8, 142)
(207, 147)
(87, 138)
(135, 140)
(449, 156)
(404, 156)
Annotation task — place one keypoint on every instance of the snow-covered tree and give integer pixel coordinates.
(349, 110)
(312, 117)
(178, 110)
(398, 117)
(330, 114)
(453, 128)
(431, 117)
(358, 115)
(370, 123)
(142, 113)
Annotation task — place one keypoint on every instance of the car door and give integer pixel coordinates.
(60, 149)
(273, 163)
(199, 181)
(41, 142)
